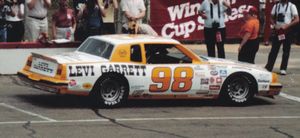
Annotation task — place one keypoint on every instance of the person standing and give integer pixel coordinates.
(134, 11)
(262, 11)
(93, 14)
(36, 21)
(267, 26)
(3, 29)
(213, 13)
(249, 34)
(108, 21)
(80, 31)
(63, 22)
(284, 17)
(297, 27)
(15, 24)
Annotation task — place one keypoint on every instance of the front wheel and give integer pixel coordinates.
(110, 91)
(237, 90)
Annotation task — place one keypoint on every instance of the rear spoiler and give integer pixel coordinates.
(43, 57)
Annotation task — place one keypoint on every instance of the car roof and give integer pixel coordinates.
(118, 39)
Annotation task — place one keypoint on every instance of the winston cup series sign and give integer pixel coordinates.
(179, 19)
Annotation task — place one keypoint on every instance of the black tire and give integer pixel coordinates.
(110, 91)
(237, 90)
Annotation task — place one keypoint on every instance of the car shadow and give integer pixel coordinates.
(70, 101)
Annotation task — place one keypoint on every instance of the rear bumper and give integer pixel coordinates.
(275, 89)
(58, 88)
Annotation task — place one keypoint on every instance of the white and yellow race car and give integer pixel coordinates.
(114, 68)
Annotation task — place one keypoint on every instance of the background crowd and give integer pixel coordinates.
(27, 20)
(284, 19)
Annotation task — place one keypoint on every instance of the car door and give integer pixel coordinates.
(171, 72)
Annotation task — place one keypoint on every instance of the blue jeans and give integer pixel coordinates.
(3, 35)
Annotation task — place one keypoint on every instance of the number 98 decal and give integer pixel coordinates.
(182, 79)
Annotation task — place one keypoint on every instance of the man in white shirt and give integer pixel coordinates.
(134, 10)
(213, 13)
(36, 21)
(284, 17)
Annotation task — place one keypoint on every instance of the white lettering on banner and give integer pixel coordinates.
(177, 11)
(184, 29)
(186, 10)
(236, 12)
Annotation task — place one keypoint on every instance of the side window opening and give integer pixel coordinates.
(165, 54)
(135, 53)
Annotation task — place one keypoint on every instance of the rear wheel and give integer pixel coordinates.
(238, 90)
(110, 91)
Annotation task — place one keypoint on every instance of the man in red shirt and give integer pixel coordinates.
(63, 22)
(249, 34)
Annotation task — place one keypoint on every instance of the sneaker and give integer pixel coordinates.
(282, 72)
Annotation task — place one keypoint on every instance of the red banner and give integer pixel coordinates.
(179, 19)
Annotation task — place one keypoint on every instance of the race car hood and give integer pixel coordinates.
(77, 57)
(232, 62)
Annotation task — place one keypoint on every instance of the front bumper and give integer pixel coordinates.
(274, 89)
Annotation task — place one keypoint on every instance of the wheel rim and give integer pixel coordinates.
(110, 90)
(238, 88)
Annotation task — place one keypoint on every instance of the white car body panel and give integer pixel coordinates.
(207, 77)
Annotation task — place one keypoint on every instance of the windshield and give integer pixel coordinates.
(96, 47)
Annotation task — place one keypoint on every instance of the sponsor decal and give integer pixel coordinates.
(87, 85)
(212, 67)
(43, 66)
(214, 87)
(204, 87)
(122, 53)
(137, 87)
(212, 80)
(214, 73)
(198, 68)
(129, 70)
(72, 83)
(263, 76)
(80, 71)
(221, 67)
(200, 74)
(223, 73)
(264, 87)
(213, 92)
(137, 93)
(204, 81)
(263, 81)
(218, 80)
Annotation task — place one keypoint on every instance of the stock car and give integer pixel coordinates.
(114, 68)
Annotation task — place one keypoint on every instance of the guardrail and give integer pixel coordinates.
(14, 55)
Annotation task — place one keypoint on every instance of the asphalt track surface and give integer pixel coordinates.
(27, 112)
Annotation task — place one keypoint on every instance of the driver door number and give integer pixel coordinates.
(162, 76)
